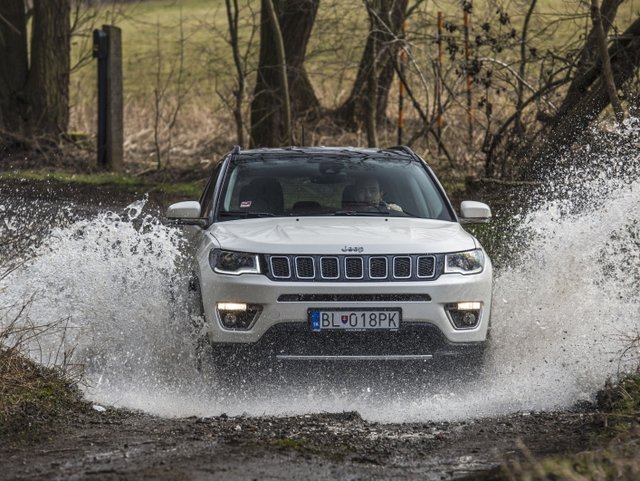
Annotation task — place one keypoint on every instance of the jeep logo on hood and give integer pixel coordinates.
(357, 249)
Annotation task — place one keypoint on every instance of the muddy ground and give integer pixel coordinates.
(116, 444)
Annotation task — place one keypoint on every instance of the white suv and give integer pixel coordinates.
(335, 254)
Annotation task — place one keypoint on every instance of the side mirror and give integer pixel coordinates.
(473, 212)
(186, 213)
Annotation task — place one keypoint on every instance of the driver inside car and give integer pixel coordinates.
(368, 192)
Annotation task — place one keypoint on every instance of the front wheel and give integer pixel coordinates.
(195, 316)
(465, 365)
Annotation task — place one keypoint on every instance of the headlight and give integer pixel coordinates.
(469, 262)
(234, 263)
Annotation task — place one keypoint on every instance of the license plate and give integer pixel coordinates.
(355, 319)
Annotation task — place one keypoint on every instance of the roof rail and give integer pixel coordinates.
(403, 148)
(235, 150)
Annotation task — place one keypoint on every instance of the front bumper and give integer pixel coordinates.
(294, 341)
(280, 306)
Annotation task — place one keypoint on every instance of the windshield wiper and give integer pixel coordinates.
(380, 213)
(242, 213)
(359, 212)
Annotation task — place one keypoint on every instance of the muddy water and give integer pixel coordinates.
(563, 310)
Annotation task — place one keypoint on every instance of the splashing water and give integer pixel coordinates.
(563, 311)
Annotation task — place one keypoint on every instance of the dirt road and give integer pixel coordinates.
(123, 445)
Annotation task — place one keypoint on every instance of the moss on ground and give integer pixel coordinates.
(187, 189)
(33, 397)
(618, 460)
(305, 446)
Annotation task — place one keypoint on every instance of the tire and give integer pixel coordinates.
(465, 366)
(195, 316)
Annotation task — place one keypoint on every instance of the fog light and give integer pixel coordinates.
(469, 306)
(231, 306)
(236, 315)
(464, 315)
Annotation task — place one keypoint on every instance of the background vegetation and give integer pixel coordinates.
(192, 71)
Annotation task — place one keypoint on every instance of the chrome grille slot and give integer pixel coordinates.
(402, 267)
(305, 268)
(378, 267)
(353, 267)
(329, 268)
(426, 266)
(280, 267)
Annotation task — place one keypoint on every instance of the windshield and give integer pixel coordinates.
(306, 185)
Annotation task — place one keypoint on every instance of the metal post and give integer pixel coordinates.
(100, 52)
(107, 48)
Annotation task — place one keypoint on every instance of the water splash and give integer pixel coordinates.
(562, 311)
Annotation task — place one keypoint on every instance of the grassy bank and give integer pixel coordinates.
(157, 184)
(33, 397)
(617, 460)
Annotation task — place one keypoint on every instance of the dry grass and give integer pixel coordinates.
(617, 460)
(33, 395)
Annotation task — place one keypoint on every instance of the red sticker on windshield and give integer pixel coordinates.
(245, 203)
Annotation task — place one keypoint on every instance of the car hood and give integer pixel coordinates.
(339, 235)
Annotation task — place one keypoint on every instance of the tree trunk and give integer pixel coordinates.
(48, 84)
(14, 66)
(382, 43)
(372, 94)
(585, 73)
(567, 127)
(296, 18)
(607, 75)
(34, 99)
(283, 84)
(233, 13)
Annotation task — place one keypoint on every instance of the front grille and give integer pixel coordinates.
(402, 267)
(378, 267)
(280, 268)
(354, 268)
(305, 268)
(329, 268)
(426, 266)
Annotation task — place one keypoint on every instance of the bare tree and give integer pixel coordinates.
(568, 126)
(283, 82)
(295, 19)
(572, 89)
(169, 95)
(34, 89)
(607, 75)
(380, 53)
(233, 16)
(589, 56)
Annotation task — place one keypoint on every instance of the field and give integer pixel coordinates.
(179, 74)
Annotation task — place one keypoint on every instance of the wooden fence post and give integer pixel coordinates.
(115, 135)
(107, 48)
